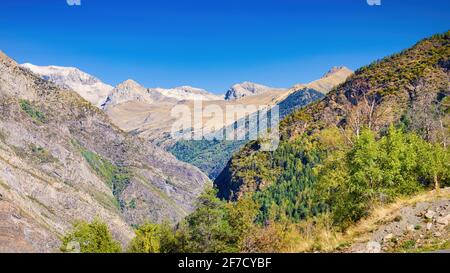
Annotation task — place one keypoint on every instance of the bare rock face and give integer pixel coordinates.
(129, 90)
(246, 89)
(62, 160)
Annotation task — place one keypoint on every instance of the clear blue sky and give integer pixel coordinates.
(214, 43)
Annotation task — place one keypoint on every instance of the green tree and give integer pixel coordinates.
(147, 239)
(398, 161)
(153, 238)
(241, 217)
(93, 237)
(207, 228)
(371, 171)
(434, 164)
(364, 176)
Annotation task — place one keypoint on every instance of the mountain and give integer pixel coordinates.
(246, 89)
(187, 93)
(103, 95)
(153, 121)
(89, 87)
(332, 78)
(211, 156)
(410, 89)
(62, 160)
(131, 91)
(126, 91)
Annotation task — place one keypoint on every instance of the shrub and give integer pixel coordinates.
(153, 238)
(93, 237)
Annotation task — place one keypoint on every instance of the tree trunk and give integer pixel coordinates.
(436, 184)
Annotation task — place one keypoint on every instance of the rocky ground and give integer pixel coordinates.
(419, 227)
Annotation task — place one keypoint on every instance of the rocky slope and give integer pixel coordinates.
(419, 224)
(89, 87)
(61, 159)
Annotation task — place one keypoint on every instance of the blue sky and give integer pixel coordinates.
(214, 43)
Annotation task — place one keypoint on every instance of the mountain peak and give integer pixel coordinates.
(337, 69)
(250, 85)
(187, 93)
(246, 89)
(335, 76)
(191, 89)
(129, 84)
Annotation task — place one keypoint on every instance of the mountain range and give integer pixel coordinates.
(73, 148)
(211, 156)
(143, 111)
(62, 159)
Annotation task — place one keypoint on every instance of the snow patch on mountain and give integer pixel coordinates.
(87, 86)
(187, 93)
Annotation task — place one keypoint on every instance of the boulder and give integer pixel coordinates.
(373, 247)
(443, 221)
(430, 214)
(388, 238)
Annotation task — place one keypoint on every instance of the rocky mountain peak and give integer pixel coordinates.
(336, 69)
(245, 89)
(333, 77)
(129, 85)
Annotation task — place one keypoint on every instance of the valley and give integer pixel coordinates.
(362, 164)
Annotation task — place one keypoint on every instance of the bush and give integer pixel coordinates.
(93, 237)
(153, 238)
(377, 171)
